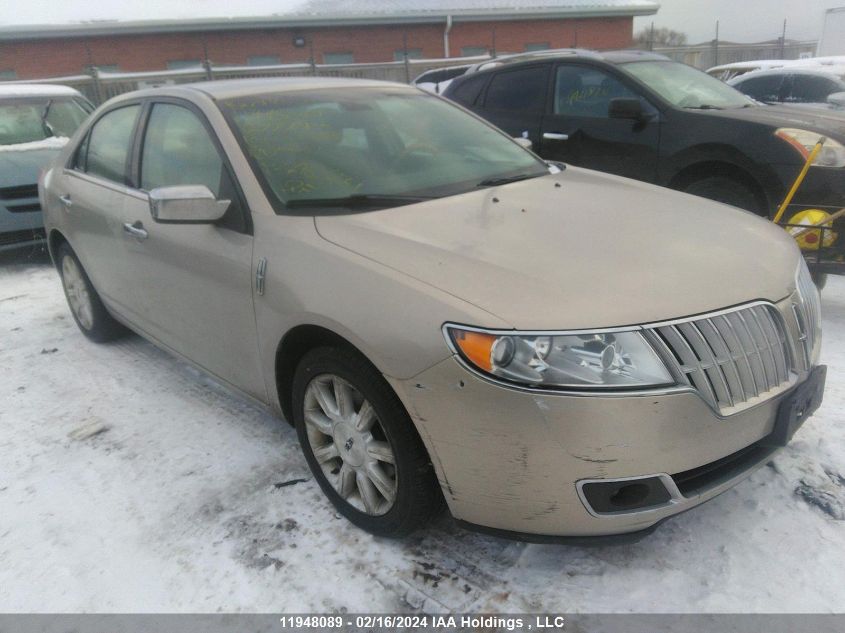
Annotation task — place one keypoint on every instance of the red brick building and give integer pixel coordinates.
(327, 31)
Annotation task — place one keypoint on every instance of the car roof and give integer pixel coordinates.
(12, 91)
(752, 65)
(231, 88)
(832, 72)
(610, 57)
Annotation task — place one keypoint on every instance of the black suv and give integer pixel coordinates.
(644, 116)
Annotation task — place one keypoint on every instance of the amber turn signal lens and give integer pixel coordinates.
(476, 347)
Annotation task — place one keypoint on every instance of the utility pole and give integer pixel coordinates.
(783, 41)
(651, 38)
(716, 46)
(405, 57)
(493, 50)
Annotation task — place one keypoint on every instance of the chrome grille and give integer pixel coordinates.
(734, 359)
(808, 314)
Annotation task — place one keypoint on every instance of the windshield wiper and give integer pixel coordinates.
(504, 180)
(44, 124)
(358, 200)
(703, 106)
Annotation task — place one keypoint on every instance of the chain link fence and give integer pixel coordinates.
(102, 86)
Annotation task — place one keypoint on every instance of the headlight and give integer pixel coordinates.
(583, 360)
(803, 141)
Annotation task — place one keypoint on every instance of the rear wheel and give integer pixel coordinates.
(361, 445)
(85, 305)
(726, 190)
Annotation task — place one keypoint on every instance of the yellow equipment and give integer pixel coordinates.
(811, 239)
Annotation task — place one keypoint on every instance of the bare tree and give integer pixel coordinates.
(649, 38)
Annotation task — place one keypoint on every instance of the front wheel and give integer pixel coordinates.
(85, 304)
(726, 190)
(361, 445)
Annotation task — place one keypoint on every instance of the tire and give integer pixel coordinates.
(726, 190)
(85, 304)
(820, 279)
(345, 451)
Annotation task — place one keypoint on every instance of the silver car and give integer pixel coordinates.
(35, 123)
(553, 352)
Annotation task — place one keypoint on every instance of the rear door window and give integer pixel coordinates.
(109, 143)
(467, 91)
(521, 90)
(811, 89)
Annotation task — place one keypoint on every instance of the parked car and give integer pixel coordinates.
(643, 116)
(796, 85)
(726, 72)
(439, 312)
(438, 79)
(35, 123)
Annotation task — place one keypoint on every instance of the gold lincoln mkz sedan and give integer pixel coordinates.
(554, 352)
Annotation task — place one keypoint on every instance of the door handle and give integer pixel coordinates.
(555, 136)
(136, 230)
(66, 201)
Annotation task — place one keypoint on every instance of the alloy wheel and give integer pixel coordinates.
(350, 445)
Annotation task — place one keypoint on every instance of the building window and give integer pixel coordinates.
(413, 53)
(536, 46)
(6, 75)
(338, 58)
(181, 64)
(263, 60)
(473, 51)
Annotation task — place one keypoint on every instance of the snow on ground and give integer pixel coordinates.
(130, 482)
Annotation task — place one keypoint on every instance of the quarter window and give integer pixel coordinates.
(586, 92)
(522, 90)
(109, 143)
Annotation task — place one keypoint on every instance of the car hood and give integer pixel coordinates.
(825, 121)
(22, 167)
(578, 250)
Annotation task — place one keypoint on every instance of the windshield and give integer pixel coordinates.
(376, 147)
(686, 87)
(31, 120)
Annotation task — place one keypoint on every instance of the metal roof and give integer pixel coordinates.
(314, 13)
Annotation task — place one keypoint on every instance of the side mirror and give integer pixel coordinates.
(626, 109)
(837, 99)
(186, 204)
(524, 142)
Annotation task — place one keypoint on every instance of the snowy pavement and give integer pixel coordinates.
(129, 482)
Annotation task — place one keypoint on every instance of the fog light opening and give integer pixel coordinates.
(630, 495)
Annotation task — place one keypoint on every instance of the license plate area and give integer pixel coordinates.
(796, 407)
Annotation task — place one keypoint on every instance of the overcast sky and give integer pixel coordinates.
(740, 20)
